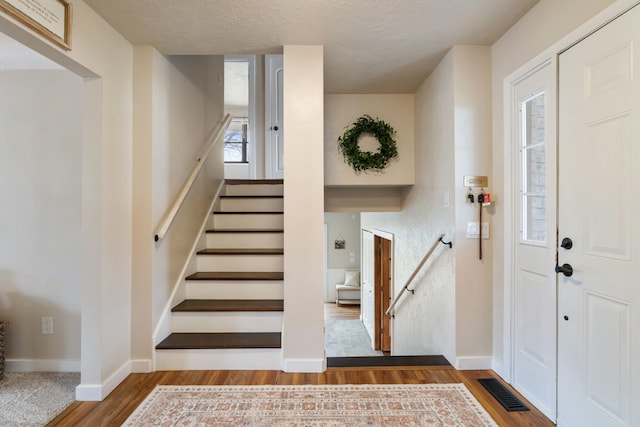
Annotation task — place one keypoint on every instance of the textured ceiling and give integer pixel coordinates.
(370, 46)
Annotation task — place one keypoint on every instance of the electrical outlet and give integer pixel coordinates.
(47, 326)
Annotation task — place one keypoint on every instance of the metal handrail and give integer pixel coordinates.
(168, 218)
(415, 272)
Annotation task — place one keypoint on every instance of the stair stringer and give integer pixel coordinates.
(163, 328)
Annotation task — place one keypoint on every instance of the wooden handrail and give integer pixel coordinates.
(415, 272)
(168, 218)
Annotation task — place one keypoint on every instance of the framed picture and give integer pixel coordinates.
(50, 18)
(340, 244)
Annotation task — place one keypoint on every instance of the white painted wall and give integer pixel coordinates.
(40, 219)
(452, 136)
(544, 24)
(178, 101)
(341, 110)
(472, 127)
(104, 59)
(425, 322)
(346, 226)
(303, 338)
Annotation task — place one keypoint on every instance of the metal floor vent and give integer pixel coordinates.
(502, 395)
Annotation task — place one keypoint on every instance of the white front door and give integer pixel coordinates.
(599, 195)
(534, 356)
(274, 149)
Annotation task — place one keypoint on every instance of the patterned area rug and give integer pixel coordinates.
(311, 405)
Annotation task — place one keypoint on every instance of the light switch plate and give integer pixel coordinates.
(473, 230)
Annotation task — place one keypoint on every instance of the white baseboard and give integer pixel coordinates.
(500, 369)
(97, 392)
(141, 366)
(473, 363)
(42, 365)
(305, 365)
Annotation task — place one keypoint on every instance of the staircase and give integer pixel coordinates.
(232, 314)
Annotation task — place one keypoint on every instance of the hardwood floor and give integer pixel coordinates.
(343, 312)
(115, 409)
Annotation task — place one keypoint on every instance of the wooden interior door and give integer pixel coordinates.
(382, 293)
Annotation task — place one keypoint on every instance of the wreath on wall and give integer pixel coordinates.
(366, 160)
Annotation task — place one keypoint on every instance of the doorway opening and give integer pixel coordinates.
(240, 102)
(345, 332)
(41, 171)
(358, 286)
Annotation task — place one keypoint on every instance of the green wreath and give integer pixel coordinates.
(365, 160)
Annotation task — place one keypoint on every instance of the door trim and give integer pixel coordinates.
(270, 164)
(390, 237)
(502, 363)
(253, 138)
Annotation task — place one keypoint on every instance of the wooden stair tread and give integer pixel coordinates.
(209, 305)
(246, 230)
(253, 181)
(248, 212)
(237, 275)
(200, 340)
(256, 196)
(241, 251)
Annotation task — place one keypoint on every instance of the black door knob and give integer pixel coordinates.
(275, 128)
(567, 243)
(565, 269)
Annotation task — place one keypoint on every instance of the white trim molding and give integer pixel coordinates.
(471, 363)
(141, 366)
(304, 365)
(97, 392)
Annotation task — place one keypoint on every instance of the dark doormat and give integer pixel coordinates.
(375, 361)
(502, 395)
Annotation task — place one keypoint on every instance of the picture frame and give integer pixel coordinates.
(49, 18)
(339, 244)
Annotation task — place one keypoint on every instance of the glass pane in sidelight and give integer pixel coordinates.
(534, 168)
(535, 218)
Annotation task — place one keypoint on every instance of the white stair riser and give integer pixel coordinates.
(252, 205)
(254, 321)
(245, 240)
(240, 262)
(254, 190)
(240, 289)
(247, 221)
(267, 359)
